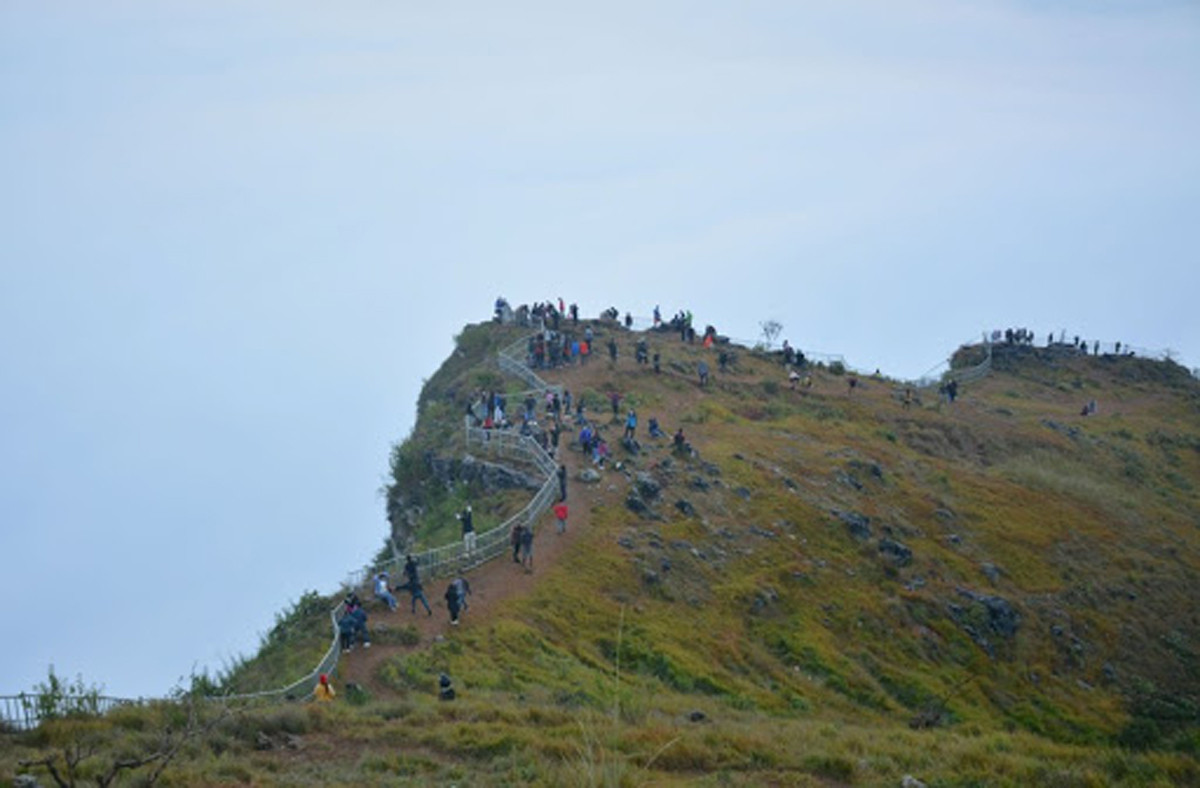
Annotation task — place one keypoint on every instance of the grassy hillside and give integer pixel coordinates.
(835, 589)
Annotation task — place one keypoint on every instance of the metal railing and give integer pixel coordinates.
(27, 710)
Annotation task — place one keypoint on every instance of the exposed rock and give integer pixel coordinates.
(1071, 432)
(764, 533)
(791, 485)
(626, 541)
(647, 486)
(697, 716)
(700, 483)
(681, 544)
(990, 571)
(1003, 618)
(915, 584)
(859, 524)
(954, 539)
(29, 781)
(634, 503)
(649, 577)
(490, 475)
(764, 599)
(589, 475)
(849, 481)
(1110, 673)
(710, 468)
(743, 493)
(908, 781)
(685, 507)
(896, 552)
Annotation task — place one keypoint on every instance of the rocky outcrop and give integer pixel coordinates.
(859, 525)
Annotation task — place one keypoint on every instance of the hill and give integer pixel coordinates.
(837, 585)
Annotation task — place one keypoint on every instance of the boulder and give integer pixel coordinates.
(589, 475)
(859, 525)
(685, 508)
(647, 486)
(894, 551)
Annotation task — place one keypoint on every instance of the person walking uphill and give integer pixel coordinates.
(456, 598)
(413, 585)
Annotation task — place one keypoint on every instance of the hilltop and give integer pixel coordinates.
(838, 585)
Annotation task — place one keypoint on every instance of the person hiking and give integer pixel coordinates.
(468, 530)
(657, 368)
(612, 349)
(614, 399)
(702, 369)
(346, 626)
(464, 590)
(456, 598)
(358, 627)
(630, 425)
(560, 516)
(412, 585)
(793, 378)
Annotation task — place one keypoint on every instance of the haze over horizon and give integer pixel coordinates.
(238, 236)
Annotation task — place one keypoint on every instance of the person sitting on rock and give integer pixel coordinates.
(655, 430)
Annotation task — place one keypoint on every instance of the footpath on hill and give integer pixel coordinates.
(492, 584)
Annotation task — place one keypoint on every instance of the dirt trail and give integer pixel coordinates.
(492, 584)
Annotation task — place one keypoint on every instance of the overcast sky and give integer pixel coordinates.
(234, 237)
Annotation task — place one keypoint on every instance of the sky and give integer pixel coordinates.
(236, 237)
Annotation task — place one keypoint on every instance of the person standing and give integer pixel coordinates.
(468, 530)
(562, 483)
(516, 542)
(527, 548)
(560, 517)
